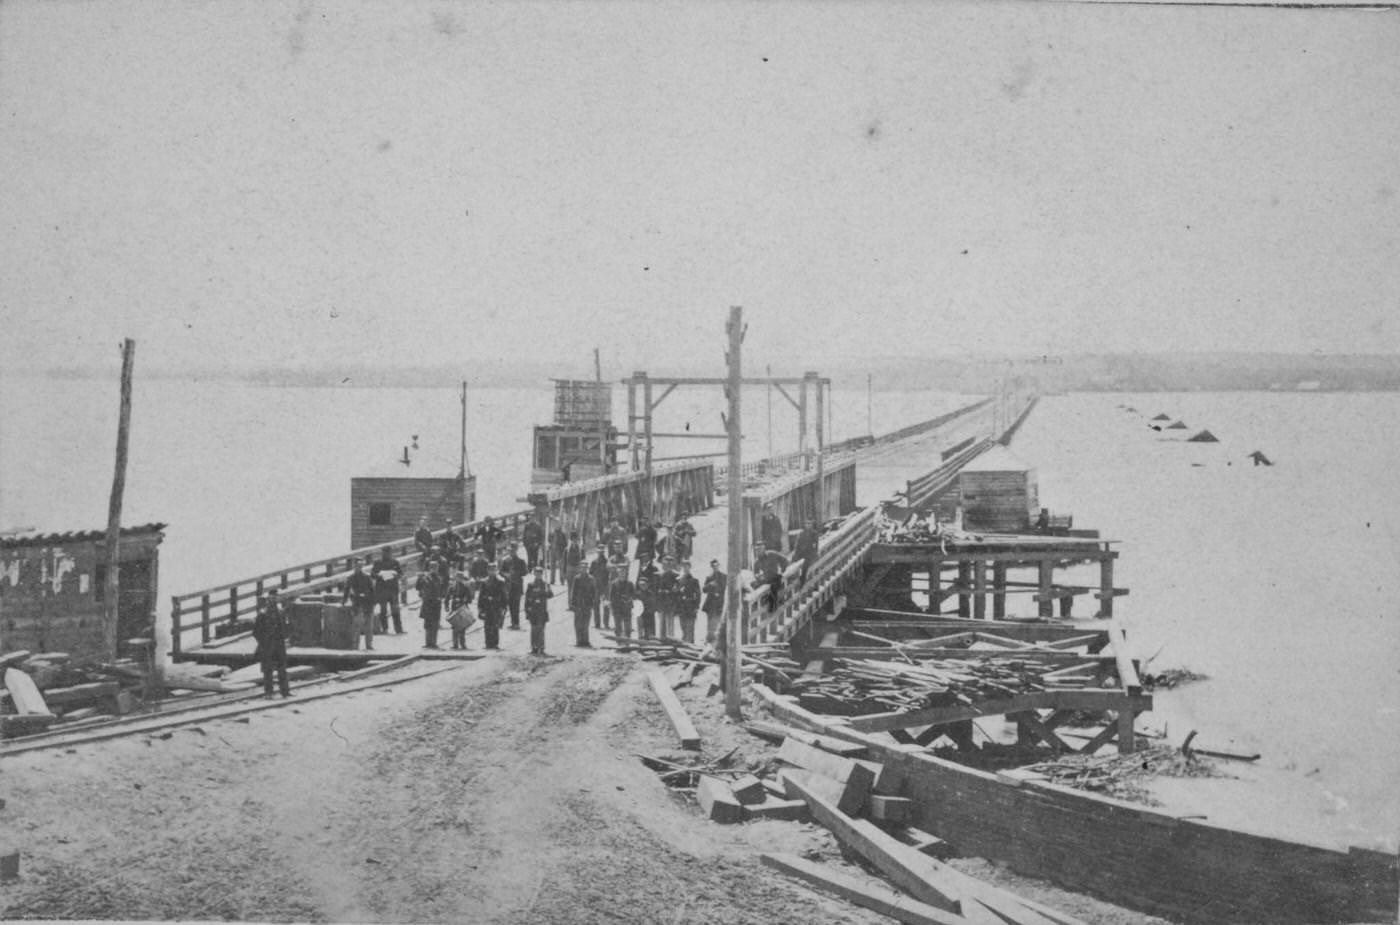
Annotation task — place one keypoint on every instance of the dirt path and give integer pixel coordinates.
(502, 792)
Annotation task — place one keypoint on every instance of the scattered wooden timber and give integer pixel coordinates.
(13, 658)
(922, 841)
(855, 774)
(748, 790)
(862, 891)
(849, 799)
(778, 808)
(377, 668)
(889, 809)
(25, 693)
(718, 801)
(685, 729)
(922, 877)
(776, 732)
(81, 693)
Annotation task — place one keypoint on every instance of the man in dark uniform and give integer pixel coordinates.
(684, 532)
(646, 543)
(478, 569)
(270, 632)
(768, 570)
(456, 603)
(583, 601)
(771, 529)
(533, 538)
(386, 590)
(806, 548)
(646, 620)
(491, 605)
(453, 546)
(488, 534)
(359, 589)
(514, 570)
(716, 586)
(687, 597)
(615, 538)
(558, 549)
(666, 604)
(537, 597)
(620, 595)
(598, 570)
(573, 558)
(423, 537)
(430, 591)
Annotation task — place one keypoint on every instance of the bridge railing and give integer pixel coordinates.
(204, 611)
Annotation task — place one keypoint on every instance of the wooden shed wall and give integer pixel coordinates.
(51, 595)
(410, 499)
(998, 500)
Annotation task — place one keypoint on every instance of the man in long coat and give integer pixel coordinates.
(716, 586)
(513, 570)
(620, 595)
(601, 575)
(270, 631)
(491, 606)
(537, 596)
(583, 602)
(430, 589)
(687, 601)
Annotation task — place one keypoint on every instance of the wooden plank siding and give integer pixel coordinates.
(409, 499)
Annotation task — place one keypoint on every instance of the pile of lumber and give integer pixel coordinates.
(869, 685)
(1122, 776)
(40, 690)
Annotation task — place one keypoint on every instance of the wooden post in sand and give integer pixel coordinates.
(733, 604)
(112, 587)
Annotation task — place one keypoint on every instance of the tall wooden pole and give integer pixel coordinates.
(733, 606)
(869, 425)
(770, 413)
(112, 588)
(604, 408)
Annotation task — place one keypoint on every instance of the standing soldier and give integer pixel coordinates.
(514, 570)
(716, 584)
(359, 588)
(491, 605)
(620, 595)
(478, 569)
(687, 601)
(386, 591)
(583, 601)
(768, 569)
(573, 558)
(646, 620)
(771, 528)
(598, 570)
(558, 548)
(423, 537)
(806, 548)
(537, 597)
(533, 537)
(666, 603)
(430, 590)
(488, 534)
(646, 543)
(684, 532)
(616, 539)
(459, 597)
(453, 546)
(270, 631)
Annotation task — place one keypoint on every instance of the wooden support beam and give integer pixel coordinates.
(1035, 729)
(1106, 735)
(920, 876)
(685, 729)
(1053, 698)
(998, 590)
(848, 771)
(862, 891)
(1127, 671)
(979, 590)
(717, 801)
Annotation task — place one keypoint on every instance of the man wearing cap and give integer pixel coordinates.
(771, 529)
(583, 602)
(716, 585)
(620, 595)
(646, 620)
(684, 532)
(665, 585)
(453, 546)
(537, 597)
(430, 591)
(646, 543)
(600, 573)
(270, 632)
(558, 547)
(386, 590)
(487, 536)
(533, 537)
(806, 548)
(491, 605)
(359, 588)
(687, 598)
(423, 537)
(514, 569)
(615, 537)
(768, 569)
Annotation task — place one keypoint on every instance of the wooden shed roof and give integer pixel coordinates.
(74, 536)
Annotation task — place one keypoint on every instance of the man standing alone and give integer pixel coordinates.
(270, 632)
(491, 605)
(537, 597)
(533, 537)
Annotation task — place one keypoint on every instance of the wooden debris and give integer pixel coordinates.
(25, 693)
(789, 810)
(889, 809)
(376, 668)
(12, 727)
(13, 658)
(748, 790)
(922, 841)
(81, 693)
(685, 729)
(849, 799)
(862, 891)
(776, 732)
(718, 801)
(922, 877)
(857, 774)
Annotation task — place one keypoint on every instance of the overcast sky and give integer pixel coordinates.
(396, 182)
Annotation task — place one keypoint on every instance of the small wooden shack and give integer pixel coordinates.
(998, 492)
(51, 590)
(580, 444)
(387, 507)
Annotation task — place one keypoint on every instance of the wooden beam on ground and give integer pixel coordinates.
(844, 770)
(25, 693)
(778, 808)
(748, 790)
(889, 809)
(685, 729)
(920, 876)
(1053, 698)
(377, 668)
(862, 891)
(717, 801)
(776, 732)
(845, 797)
(81, 692)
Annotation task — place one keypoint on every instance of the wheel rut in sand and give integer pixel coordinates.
(448, 816)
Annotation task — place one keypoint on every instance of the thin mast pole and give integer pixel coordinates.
(733, 614)
(111, 586)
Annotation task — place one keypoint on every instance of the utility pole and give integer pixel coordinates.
(770, 412)
(462, 471)
(733, 605)
(112, 586)
(604, 408)
(869, 426)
